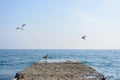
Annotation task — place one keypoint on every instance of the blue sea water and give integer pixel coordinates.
(106, 62)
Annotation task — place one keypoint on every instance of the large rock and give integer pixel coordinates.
(59, 71)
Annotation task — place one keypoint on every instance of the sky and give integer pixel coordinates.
(60, 24)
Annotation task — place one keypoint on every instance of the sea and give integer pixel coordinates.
(106, 62)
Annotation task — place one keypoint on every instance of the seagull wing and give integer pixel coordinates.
(23, 25)
(46, 56)
(17, 28)
(84, 37)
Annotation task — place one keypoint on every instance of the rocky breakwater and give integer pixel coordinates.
(59, 71)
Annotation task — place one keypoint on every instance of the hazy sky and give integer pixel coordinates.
(59, 24)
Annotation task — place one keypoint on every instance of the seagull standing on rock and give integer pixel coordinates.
(45, 57)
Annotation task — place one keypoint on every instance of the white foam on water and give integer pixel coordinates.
(58, 60)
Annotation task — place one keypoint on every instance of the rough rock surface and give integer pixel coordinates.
(59, 71)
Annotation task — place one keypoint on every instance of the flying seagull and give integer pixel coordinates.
(21, 28)
(84, 37)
